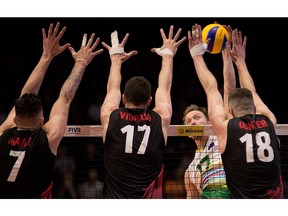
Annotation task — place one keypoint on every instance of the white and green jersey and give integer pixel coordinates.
(207, 173)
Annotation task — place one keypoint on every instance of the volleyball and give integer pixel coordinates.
(218, 37)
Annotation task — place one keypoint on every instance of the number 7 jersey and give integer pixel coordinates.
(26, 164)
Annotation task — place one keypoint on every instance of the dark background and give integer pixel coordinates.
(21, 48)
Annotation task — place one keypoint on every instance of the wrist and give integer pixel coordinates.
(82, 62)
(198, 50)
(46, 58)
(165, 51)
(239, 61)
(116, 59)
(167, 56)
(195, 57)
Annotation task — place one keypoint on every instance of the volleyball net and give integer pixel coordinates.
(79, 168)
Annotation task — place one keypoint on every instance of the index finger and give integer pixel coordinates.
(181, 41)
(106, 45)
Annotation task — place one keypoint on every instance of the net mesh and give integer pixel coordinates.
(79, 168)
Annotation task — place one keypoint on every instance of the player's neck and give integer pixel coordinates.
(131, 106)
(28, 123)
(27, 127)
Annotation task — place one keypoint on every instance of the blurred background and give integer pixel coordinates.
(80, 160)
(21, 49)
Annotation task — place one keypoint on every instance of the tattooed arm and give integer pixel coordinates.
(51, 48)
(56, 126)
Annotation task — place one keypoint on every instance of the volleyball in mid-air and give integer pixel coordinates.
(218, 37)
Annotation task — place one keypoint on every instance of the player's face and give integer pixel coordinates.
(195, 117)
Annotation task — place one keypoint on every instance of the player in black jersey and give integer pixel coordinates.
(134, 136)
(28, 147)
(247, 140)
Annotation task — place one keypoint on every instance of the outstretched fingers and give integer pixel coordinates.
(90, 41)
(95, 44)
(61, 33)
(84, 40)
(170, 36)
(106, 45)
(50, 29)
(86, 54)
(244, 42)
(180, 41)
(43, 35)
(239, 37)
(56, 29)
(163, 34)
(97, 52)
(235, 37)
(91, 45)
(170, 44)
(134, 52)
(124, 40)
(228, 47)
(177, 34)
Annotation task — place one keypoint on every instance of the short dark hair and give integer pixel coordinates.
(28, 105)
(240, 93)
(241, 99)
(137, 90)
(193, 107)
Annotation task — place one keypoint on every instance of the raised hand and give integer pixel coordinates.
(51, 46)
(238, 50)
(170, 44)
(195, 43)
(117, 49)
(86, 52)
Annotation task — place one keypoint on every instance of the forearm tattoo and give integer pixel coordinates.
(72, 83)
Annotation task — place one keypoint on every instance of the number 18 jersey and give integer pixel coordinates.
(252, 158)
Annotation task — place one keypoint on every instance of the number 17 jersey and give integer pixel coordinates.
(133, 152)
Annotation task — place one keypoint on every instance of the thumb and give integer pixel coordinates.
(153, 49)
(72, 50)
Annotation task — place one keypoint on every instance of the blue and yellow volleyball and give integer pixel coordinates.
(218, 37)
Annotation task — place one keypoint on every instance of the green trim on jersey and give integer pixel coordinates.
(215, 193)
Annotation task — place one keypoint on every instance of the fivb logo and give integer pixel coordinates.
(74, 130)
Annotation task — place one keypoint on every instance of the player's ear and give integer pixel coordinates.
(123, 99)
(15, 120)
(42, 121)
(149, 101)
(230, 110)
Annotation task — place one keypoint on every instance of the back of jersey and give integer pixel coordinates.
(26, 163)
(252, 158)
(133, 152)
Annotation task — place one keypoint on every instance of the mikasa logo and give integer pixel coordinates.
(185, 130)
